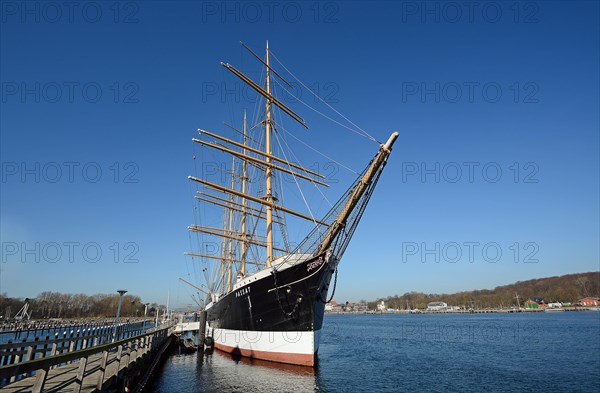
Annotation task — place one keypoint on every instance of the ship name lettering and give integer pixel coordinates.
(314, 264)
(242, 292)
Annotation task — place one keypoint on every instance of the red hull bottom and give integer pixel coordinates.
(280, 357)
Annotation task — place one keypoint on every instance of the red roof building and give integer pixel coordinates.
(590, 301)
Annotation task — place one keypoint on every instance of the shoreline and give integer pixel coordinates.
(479, 311)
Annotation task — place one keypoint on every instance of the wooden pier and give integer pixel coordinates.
(86, 362)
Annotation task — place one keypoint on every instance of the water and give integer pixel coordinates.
(541, 352)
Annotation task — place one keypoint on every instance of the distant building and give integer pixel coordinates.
(536, 303)
(381, 306)
(555, 305)
(589, 301)
(437, 306)
(331, 306)
(531, 304)
(543, 304)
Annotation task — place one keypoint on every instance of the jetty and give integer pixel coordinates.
(93, 359)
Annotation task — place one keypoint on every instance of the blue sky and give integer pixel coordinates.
(496, 105)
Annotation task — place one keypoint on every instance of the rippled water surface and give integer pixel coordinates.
(541, 352)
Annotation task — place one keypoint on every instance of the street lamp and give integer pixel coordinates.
(121, 293)
(145, 312)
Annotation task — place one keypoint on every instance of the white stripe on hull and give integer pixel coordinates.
(294, 347)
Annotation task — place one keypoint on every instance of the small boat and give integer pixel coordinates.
(187, 345)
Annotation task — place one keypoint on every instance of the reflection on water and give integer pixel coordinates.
(518, 352)
(219, 371)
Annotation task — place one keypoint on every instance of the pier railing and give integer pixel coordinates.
(40, 326)
(65, 340)
(20, 360)
(54, 330)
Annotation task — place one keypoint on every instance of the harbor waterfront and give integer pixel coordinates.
(549, 352)
(299, 196)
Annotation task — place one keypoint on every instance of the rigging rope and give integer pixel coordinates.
(318, 152)
(365, 134)
(322, 114)
(197, 221)
(281, 217)
(258, 109)
(297, 184)
(299, 163)
(279, 187)
(334, 286)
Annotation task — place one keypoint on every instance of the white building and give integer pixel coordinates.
(381, 306)
(437, 306)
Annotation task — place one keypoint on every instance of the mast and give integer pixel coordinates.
(244, 179)
(268, 175)
(230, 244)
(239, 201)
(223, 257)
(168, 301)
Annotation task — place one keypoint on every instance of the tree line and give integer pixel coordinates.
(65, 305)
(567, 288)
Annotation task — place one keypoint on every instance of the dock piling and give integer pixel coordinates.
(202, 331)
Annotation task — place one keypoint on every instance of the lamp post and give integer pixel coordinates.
(145, 313)
(121, 293)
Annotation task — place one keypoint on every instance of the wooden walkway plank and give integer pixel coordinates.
(66, 377)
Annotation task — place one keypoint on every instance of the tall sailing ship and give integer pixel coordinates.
(265, 298)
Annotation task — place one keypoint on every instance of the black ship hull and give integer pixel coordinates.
(275, 314)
